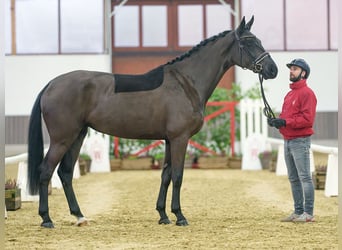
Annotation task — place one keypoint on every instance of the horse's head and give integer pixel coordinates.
(251, 54)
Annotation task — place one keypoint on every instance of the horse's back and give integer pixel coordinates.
(70, 97)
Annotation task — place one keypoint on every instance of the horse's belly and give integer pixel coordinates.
(132, 126)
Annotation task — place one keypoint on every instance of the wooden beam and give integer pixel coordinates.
(13, 29)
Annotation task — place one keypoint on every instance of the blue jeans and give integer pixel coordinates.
(297, 158)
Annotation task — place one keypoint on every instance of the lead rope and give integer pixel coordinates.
(267, 109)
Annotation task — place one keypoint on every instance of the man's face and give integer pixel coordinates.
(295, 71)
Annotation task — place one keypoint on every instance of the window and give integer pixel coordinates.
(293, 24)
(306, 30)
(126, 27)
(271, 33)
(190, 24)
(81, 28)
(153, 31)
(36, 30)
(218, 19)
(154, 26)
(176, 25)
(194, 26)
(54, 26)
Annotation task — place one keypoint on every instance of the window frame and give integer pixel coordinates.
(172, 24)
(285, 46)
(13, 34)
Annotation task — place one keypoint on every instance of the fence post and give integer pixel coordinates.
(252, 120)
(331, 181)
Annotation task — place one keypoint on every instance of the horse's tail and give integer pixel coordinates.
(35, 146)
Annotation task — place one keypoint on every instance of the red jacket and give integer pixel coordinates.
(299, 111)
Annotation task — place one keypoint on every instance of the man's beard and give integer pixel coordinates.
(294, 78)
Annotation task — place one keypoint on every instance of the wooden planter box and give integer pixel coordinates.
(234, 162)
(115, 164)
(136, 164)
(318, 179)
(13, 199)
(218, 162)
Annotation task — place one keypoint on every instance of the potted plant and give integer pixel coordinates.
(12, 195)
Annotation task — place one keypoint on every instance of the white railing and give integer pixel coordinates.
(18, 158)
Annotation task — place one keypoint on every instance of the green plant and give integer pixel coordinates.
(11, 184)
(215, 133)
(84, 156)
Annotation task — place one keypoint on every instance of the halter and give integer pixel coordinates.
(256, 67)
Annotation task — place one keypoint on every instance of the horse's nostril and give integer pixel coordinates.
(275, 70)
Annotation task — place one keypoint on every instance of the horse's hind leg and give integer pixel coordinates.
(165, 182)
(47, 167)
(65, 173)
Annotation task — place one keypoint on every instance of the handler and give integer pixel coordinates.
(295, 124)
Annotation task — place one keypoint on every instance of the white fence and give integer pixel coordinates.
(252, 121)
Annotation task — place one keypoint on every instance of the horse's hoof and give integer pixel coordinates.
(81, 222)
(164, 221)
(182, 223)
(47, 225)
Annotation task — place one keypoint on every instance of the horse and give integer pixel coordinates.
(166, 103)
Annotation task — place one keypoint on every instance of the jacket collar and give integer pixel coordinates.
(299, 84)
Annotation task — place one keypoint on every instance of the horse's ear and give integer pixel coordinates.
(250, 23)
(241, 28)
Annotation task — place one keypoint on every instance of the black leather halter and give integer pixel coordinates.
(256, 65)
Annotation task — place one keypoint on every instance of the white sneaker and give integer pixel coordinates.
(304, 217)
(290, 218)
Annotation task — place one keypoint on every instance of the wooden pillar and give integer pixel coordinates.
(13, 29)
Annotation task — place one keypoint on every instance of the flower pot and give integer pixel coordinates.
(83, 166)
(318, 179)
(265, 159)
(13, 199)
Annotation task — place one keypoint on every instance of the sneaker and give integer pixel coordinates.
(290, 218)
(304, 217)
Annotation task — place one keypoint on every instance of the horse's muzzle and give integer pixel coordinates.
(269, 69)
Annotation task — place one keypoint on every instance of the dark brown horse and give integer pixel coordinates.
(166, 103)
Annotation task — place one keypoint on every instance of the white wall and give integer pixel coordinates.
(323, 78)
(26, 75)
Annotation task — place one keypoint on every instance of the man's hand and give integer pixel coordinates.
(276, 122)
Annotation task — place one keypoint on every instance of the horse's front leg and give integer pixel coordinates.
(178, 149)
(164, 185)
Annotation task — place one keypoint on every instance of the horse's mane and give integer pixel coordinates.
(198, 47)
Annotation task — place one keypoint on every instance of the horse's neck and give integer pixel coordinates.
(206, 67)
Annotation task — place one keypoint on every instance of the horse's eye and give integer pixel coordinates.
(249, 42)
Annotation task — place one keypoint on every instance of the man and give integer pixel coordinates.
(295, 124)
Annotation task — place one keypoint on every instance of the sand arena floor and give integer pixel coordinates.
(226, 209)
